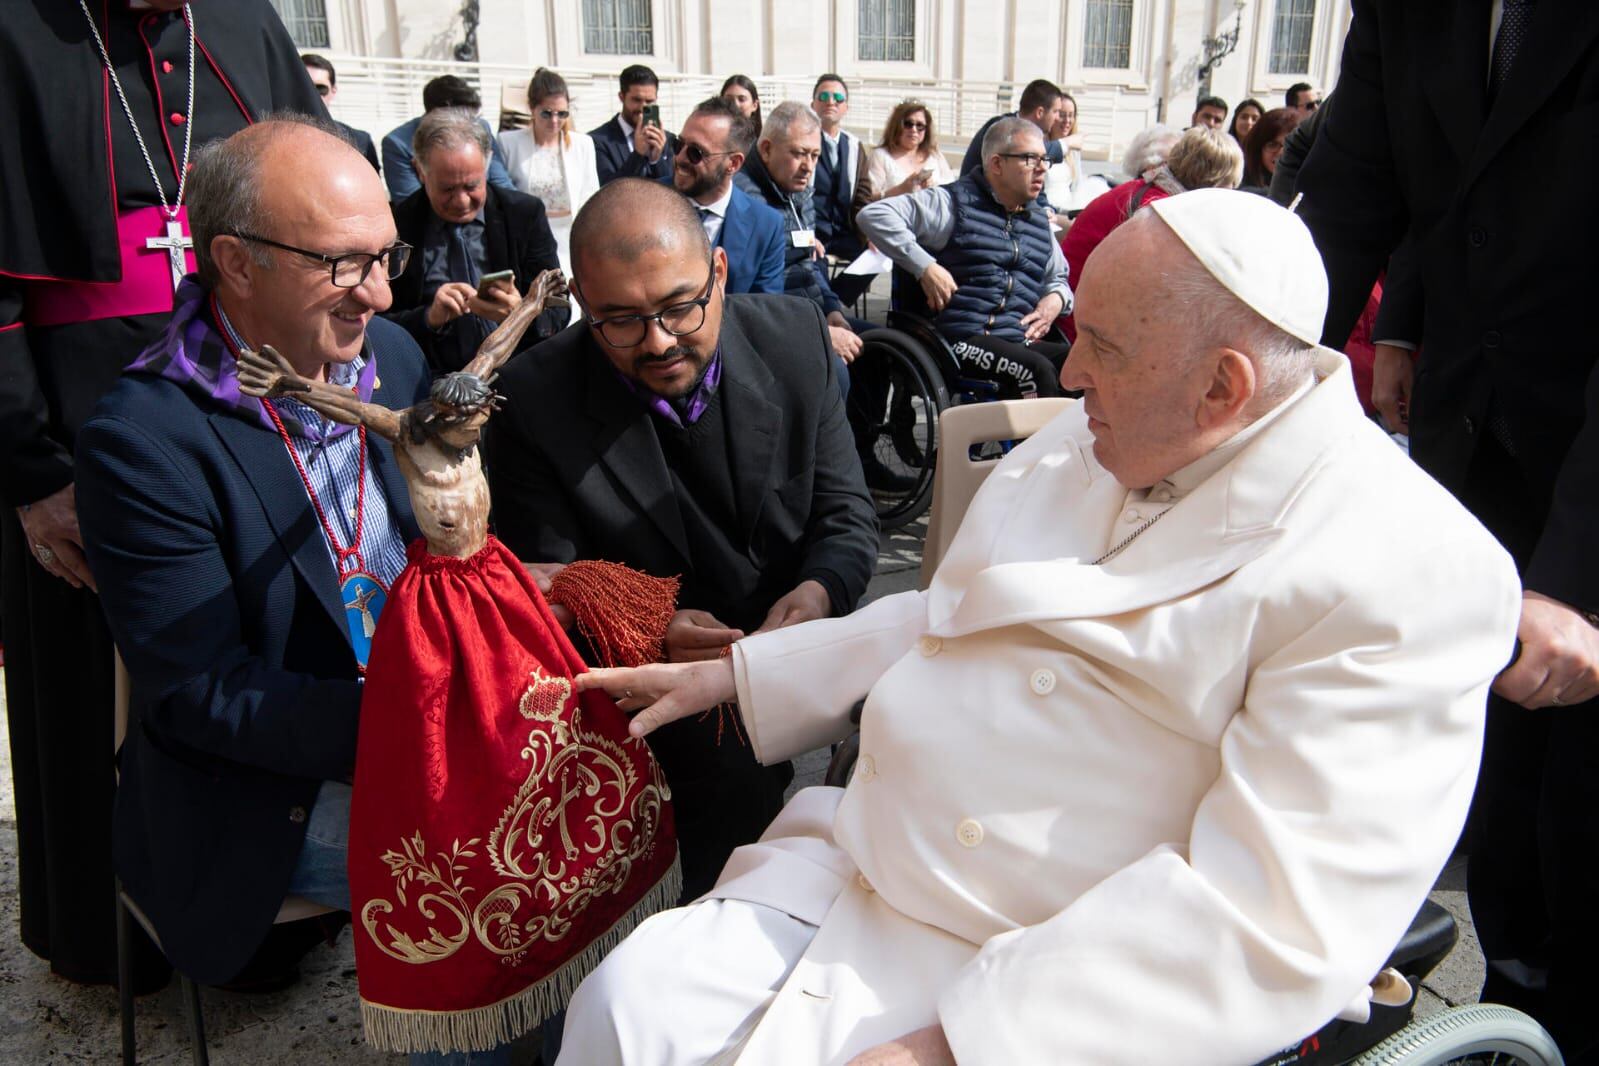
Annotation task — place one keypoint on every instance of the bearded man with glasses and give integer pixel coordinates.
(687, 432)
(712, 148)
(225, 533)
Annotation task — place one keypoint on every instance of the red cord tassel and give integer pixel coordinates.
(621, 611)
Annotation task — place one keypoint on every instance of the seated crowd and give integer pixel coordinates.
(1123, 750)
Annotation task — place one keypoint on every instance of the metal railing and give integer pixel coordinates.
(378, 94)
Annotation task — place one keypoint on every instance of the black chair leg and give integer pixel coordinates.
(191, 1005)
(125, 978)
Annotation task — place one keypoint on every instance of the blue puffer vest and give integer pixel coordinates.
(998, 258)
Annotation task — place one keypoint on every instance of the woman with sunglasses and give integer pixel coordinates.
(551, 159)
(907, 158)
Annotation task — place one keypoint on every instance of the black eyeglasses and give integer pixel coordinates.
(1311, 105)
(1030, 160)
(547, 114)
(911, 124)
(695, 154)
(628, 331)
(323, 90)
(350, 269)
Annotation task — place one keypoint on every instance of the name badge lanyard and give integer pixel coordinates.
(361, 592)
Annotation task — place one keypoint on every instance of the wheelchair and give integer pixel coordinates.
(905, 375)
(1480, 1034)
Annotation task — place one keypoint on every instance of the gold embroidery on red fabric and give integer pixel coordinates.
(535, 844)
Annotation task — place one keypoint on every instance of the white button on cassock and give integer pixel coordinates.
(866, 768)
(1043, 682)
(1132, 518)
(969, 833)
(860, 879)
(930, 646)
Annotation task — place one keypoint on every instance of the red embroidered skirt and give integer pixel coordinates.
(505, 831)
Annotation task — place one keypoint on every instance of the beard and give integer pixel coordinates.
(706, 180)
(691, 354)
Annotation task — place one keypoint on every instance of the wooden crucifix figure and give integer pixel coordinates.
(435, 441)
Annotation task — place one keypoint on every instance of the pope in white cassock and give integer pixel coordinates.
(1164, 761)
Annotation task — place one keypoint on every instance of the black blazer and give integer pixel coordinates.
(221, 595)
(516, 236)
(577, 471)
(615, 158)
(1492, 201)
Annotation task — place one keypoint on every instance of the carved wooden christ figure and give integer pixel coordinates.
(435, 441)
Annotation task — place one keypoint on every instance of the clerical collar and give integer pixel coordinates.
(686, 411)
(1189, 478)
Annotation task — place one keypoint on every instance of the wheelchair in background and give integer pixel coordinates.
(905, 376)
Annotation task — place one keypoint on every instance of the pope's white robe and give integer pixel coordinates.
(1177, 807)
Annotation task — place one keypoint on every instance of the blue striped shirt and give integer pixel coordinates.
(332, 462)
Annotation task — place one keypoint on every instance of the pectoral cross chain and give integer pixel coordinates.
(174, 243)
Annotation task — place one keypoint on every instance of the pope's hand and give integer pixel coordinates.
(1559, 660)
(664, 692)
(924, 1047)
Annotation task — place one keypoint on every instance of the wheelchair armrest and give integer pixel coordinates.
(1431, 936)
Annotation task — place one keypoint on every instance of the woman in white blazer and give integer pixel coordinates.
(552, 160)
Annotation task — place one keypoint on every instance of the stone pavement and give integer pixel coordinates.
(47, 1020)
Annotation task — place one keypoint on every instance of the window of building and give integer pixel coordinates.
(306, 20)
(887, 30)
(1291, 23)
(1108, 34)
(618, 28)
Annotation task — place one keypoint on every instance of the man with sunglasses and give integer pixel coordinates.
(715, 141)
(687, 432)
(463, 229)
(225, 532)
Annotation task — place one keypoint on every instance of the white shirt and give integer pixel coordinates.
(627, 131)
(718, 214)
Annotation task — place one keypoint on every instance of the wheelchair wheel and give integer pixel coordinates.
(1483, 1034)
(896, 394)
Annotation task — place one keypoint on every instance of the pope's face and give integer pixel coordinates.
(1141, 392)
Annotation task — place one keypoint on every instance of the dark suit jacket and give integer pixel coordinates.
(577, 472)
(753, 236)
(615, 158)
(1506, 275)
(221, 594)
(516, 235)
(363, 143)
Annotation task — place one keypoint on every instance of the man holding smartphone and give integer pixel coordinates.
(478, 246)
(634, 143)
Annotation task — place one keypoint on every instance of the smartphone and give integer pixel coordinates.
(652, 115)
(924, 174)
(486, 280)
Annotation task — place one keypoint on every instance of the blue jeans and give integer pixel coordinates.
(320, 875)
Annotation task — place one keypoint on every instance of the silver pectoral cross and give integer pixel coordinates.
(174, 243)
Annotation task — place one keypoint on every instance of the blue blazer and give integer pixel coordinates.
(401, 177)
(753, 236)
(220, 592)
(615, 158)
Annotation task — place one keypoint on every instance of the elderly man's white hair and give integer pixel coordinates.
(1003, 135)
(1217, 318)
(449, 127)
(788, 120)
(1148, 148)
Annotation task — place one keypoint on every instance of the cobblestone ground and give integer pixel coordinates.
(46, 1020)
